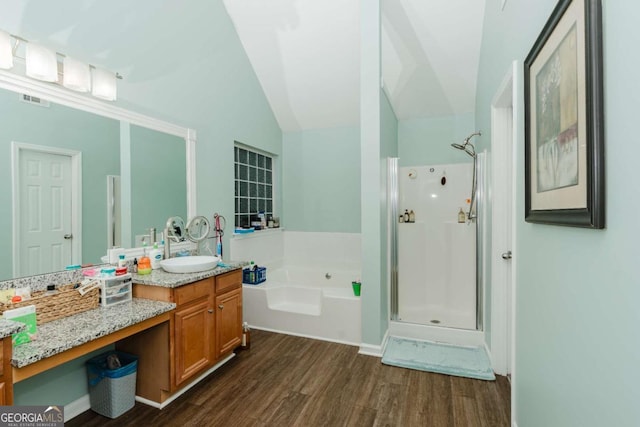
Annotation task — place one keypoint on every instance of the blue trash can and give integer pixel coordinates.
(112, 392)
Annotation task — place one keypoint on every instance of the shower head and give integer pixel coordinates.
(468, 139)
(467, 147)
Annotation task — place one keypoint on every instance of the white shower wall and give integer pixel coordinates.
(436, 254)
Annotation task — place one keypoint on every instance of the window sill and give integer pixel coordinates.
(257, 233)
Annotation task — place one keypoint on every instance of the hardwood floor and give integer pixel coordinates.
(290, 381)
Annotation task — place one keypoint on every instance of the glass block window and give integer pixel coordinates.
(254, 185)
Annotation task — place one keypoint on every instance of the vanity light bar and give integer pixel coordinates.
(43, 64)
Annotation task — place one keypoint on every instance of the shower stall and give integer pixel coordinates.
(436, 276)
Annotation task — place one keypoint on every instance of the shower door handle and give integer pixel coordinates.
(506, 255)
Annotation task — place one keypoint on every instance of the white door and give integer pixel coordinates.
(503, 138)
(45, 203)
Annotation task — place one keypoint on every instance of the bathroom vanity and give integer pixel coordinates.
(7, 328)
(202, 333)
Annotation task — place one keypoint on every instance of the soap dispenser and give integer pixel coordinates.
(461, 216)
(144, 263)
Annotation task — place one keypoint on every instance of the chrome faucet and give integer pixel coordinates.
(167, 245)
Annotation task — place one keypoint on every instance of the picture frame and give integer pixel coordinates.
(564, 119)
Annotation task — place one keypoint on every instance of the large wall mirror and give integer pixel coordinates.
(78, 176)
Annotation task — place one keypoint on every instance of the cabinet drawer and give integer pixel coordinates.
(228, 281)
(187, 293)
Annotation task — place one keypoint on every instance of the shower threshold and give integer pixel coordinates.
(436, 333)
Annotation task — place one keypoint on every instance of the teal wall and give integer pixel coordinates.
(96, 137)
(427, 141)
(58, 386)
(371, 176)
(158, 182)
(208, 85)
(577, 290)
(183, 64)
(321, 180)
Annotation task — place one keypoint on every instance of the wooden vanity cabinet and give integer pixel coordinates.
(206, 327)
(6, 381)
(228, 313)
(194, 328)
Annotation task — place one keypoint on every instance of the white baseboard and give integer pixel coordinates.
(76, 407)
(83, 404)
(295, 334)
(185, 388)
(374, 350)
(370, 350)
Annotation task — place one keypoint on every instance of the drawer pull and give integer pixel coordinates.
(221, 306)
(210, 310)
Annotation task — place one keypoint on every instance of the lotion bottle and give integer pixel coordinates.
(156, 256)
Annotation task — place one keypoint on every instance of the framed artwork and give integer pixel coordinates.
(564, 119)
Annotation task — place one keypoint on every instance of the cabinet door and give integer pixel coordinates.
(193, 338)
(6, 376)
(228, 321)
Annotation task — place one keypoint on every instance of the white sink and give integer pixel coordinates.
(189, 264)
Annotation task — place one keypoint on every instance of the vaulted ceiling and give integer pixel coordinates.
(306, 57)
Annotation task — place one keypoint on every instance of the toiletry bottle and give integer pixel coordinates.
(461, 216)
(156, 256)
(251, 275)
(412, 216)
(134, 268)
(406, 215)
(263, 219)
(144, 263)
(401, 218)
(121, 261)
(246, 336)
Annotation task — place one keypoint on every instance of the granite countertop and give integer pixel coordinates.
(62, 334)
(173, 280)
(9, 327)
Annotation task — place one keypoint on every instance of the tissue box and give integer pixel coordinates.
(26, 315)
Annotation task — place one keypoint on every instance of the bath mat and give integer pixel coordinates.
(461, 361)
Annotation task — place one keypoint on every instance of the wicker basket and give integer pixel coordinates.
(66, 302)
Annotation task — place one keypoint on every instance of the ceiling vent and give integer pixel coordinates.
(34, 100)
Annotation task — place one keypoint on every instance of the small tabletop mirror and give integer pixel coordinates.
(198, 229)
(175, 229)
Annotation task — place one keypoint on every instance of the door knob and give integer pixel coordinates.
(506, 255)
(221, 306)
(210, 310)
(68, 236)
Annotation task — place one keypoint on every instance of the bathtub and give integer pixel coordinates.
(311, 302)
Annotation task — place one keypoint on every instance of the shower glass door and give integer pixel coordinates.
(437, 251)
